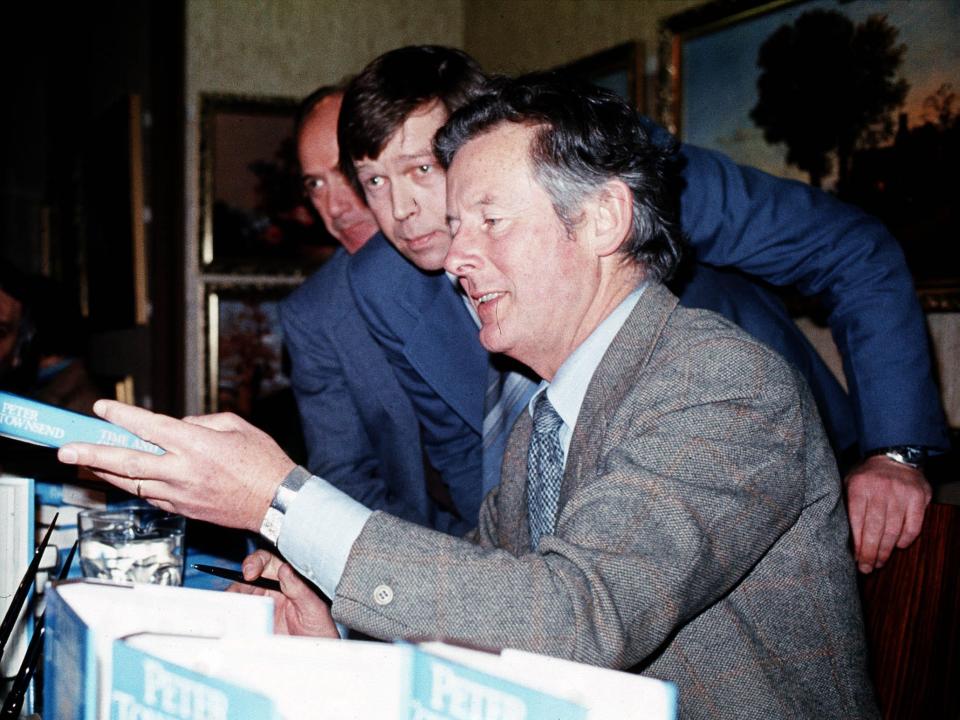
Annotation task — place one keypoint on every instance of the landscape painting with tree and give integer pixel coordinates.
(859, 98)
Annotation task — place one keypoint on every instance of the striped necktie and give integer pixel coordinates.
(508, 392)
(544, 470)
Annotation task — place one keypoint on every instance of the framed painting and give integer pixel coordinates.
(247, 370)
(618, 69)
(857, 97)
(253, 215)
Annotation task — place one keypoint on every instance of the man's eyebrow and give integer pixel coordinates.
(418, 154)
(484, 200)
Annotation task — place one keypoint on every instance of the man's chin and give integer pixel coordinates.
(492, 339)
(429, 259)
(356, 237)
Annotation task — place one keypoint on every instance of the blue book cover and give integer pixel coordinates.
(145, 686)
(42, 424)
(83, 619)
(445, 690)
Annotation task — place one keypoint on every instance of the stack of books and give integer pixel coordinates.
(150, 651)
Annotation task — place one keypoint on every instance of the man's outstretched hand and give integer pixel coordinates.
(217, 468)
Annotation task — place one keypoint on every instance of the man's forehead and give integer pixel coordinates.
(502, 150)
(323, 115)
(414, 136)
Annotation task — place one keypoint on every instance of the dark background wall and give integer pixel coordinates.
(72, 69)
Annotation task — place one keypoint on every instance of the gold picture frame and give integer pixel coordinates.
(708, 70)
(253, 217)
(244, 345)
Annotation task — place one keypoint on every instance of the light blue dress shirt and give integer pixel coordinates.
(569, 385)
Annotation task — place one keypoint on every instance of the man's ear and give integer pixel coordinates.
(612, 217)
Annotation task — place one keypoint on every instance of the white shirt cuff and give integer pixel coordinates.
(318, 531)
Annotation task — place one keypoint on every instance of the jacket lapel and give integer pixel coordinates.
(444, 348)
(617, 373)
(513, 527)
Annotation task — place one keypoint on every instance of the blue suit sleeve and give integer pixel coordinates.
(790, 234)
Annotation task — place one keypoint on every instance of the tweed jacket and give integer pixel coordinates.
(700, 536)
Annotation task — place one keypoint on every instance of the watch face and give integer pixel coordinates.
(907, 454)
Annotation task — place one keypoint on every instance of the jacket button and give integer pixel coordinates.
(383, 595)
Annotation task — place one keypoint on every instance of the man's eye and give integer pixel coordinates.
(373, 182)
(424, 169)
(490, 222)
(312, 185)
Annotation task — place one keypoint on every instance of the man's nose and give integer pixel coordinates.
(341, 198)
(464, 255)
(403, 200)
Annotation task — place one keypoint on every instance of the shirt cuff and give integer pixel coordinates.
(318, 532)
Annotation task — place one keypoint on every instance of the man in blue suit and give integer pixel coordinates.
(784, 232)
(360, 428)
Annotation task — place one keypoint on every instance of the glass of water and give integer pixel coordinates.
(134, 544)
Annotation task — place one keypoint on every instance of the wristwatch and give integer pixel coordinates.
(914, 456)
(284, 495)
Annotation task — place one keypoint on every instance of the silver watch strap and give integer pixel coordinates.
(914, 456)
(286, 492)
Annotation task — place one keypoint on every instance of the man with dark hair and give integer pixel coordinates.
(784, 232)
(668, 500)
(360, 429)
(396, 85)
(390, 114)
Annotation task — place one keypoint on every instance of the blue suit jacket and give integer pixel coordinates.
(431, 341)
(360, 427)
(781, 231)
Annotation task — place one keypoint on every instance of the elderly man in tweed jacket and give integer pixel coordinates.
(678, 513)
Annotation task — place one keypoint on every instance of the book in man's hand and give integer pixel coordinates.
(42, 424)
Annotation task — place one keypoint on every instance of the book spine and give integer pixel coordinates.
(44, 424)
(64, 493)
(16, 553)
(60, 537)
(69, 664)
